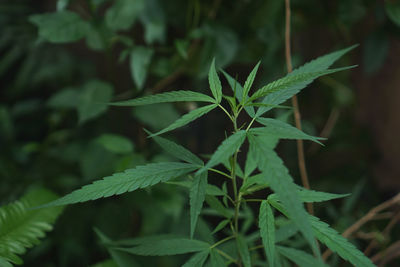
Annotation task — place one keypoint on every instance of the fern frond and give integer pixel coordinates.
(21, 227)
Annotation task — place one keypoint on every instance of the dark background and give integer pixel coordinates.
(45, 142)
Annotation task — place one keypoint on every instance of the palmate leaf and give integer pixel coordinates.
(174, 96)
(281, 130)
(176, 150)
(215, 83)
(21, 227)
(267, 231)
(225, 150)
(197, 196)
(282, 89)
(187, 118)
(167, 246)
(197, 260)
(236, 87)
(300, 257)
(316, 65)
(127, 181)
(337, 243)
(216, 205)
(282, 184)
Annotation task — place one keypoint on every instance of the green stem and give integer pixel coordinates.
(220, 172)
(227, 113)
(225, 255)
(222, 241)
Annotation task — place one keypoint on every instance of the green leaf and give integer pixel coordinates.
(307, 195)
(211, 189)
(249, 81)
(93, 100)
(67, 98)
(197, 260)
(267, 231)
(393, 11)
(300, 257)
(140, 59)
(197, 196)
(115, 143)
(123, 13)
(21, 227)
(282, 89)
(215, 83)
(121, 259)
(174, 96)
(187, 118)
(154, 21)
(176, 150)
(285, 232)
(226, 149)
(236, 87)
(316, 65)
(282, 184)
(337, 243)
(243, 251)
(130, 180)
(220, 226)
(216, 259)
(164, 247)
(216, 205)
(60, 27)
(281, 130)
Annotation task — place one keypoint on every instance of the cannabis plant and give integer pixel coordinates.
(281, 208)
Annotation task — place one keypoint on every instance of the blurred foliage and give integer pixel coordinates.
(62, 61)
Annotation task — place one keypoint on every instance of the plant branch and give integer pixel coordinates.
(297, 115)
(366, 218)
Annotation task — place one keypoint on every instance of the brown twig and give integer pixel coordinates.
(385, 233)
(366, 218)
(391, 253)
(295, 103)
(327, 130)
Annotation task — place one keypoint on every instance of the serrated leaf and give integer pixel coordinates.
(250, 80)
(121, 259)
(243, 250)
(215, 83)
(300, 257)
(21, 227)
(285, 232)
(216, 259)
(220, 226)
(307, 195)
(60, 27)
(197, 260)
(216, 205)
(211, 189)
(289, 85)
(123, 13)
(177, 151)
(282, 184)
(174, 96)
(197, 196)
(267, 231)
(235, 86)
(93, 100)
(187, 118)
(127, 181)
(164, 247)
(337, 243)
(226, 149)
(320, 64)
(140, 59)
(115, 143)
(251, 162)
(281, 130)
